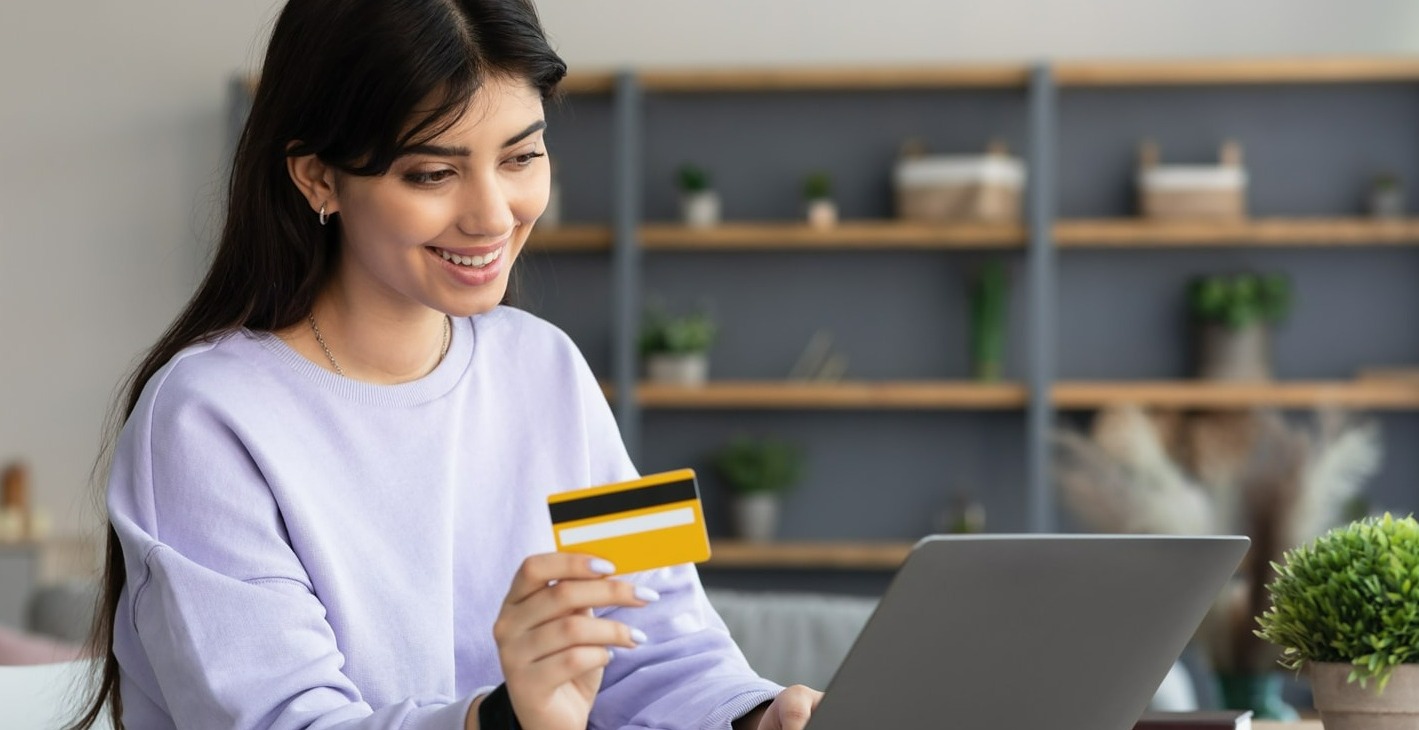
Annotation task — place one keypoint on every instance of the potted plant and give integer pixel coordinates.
(1345, 608)
(675, 348)
(758, 471)
(989, 295)
(1234, 314)
(699, 203)
(822, 212)
(1386, 196)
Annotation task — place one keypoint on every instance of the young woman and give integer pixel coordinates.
(328, 499)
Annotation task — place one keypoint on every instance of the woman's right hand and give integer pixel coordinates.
(552, 649)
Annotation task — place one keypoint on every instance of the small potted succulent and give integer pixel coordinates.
(759, 471)
(699, 203)
(1386, 198)
(675, 348)
(1234, 314)
(822, 211)
(1345, 608)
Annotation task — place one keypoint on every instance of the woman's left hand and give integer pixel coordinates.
(789, 711)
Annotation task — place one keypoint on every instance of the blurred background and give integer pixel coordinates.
(969, 338)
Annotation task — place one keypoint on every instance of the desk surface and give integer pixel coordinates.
(1302, 725)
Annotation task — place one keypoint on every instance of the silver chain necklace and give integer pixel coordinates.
(443, 351)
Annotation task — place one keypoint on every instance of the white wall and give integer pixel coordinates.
(112, 136)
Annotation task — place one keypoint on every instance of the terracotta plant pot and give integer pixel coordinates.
(1348, 706)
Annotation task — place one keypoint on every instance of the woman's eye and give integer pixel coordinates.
(431, 177)
(526, 159)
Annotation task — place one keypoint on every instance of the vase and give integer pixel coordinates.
(690, 368)
(1235, 354)
(700, 209)
(756, 516)
(1386, 202)
(1345, 705)
(1260, 693)
(822, 213)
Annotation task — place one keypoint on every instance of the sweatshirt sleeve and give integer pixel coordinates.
(217, 610)
(690, 673)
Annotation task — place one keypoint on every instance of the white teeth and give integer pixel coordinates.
(476, 262)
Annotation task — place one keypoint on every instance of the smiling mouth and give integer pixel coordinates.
(472, 262)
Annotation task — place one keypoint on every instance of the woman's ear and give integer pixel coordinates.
(316, 181)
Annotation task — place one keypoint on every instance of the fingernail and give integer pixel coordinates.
(602, 566)
(638, 636)
(647, 594)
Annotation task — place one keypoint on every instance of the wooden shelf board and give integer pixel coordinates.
(579, 237)
(900, 395)
(1140, 233)
(589, 82)
(843, 78)
(818, 555)
(1368, 394)
(859, 234)
(1236, 71)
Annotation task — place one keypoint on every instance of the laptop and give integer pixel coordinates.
(1027, 632)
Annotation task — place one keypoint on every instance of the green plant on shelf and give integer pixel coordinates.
(1350, 596)
(818, 186)
(663, 332)
(1237, 301)
(759, 465)
(989, 294)
(693, 179)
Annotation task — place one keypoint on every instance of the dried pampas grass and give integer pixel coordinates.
(1251, 473)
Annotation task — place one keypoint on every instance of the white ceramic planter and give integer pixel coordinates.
(1387, 202)
(756, 516)
(1235, 355)
(822, 213)
(700, 210)
(1348, 706)
(677, 369)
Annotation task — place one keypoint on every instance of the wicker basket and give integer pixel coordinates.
(959, 188)
(1192, 192)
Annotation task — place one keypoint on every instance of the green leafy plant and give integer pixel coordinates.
(757, 466)
(989, 296)
(693, 178)
(818, 186)
(1350, 596)
(1239, 300)
(1386, 181)
(662, 332)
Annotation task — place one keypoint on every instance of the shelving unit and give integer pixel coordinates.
(809, 555)
(1043, 246)
(1078, 257)
(788, 395)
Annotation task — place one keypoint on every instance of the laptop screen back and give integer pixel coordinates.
(1019, 632)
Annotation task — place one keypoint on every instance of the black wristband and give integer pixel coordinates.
(495, 713)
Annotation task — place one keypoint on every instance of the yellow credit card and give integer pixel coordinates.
(638, 525)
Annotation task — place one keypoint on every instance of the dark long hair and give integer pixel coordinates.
(342, 80)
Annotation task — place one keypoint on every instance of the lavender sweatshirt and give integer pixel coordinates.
(308, 551)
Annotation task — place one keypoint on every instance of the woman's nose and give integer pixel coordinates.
(486, 211)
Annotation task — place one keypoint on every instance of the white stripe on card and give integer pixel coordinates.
(627, 526)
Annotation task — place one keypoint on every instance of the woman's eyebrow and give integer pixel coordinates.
(539, 124)
(435, 150)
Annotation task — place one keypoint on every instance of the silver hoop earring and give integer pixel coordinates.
(323, 217)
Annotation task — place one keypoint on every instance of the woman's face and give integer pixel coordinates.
(443, 227)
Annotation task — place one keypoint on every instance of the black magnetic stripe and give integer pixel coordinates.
(625, 501)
